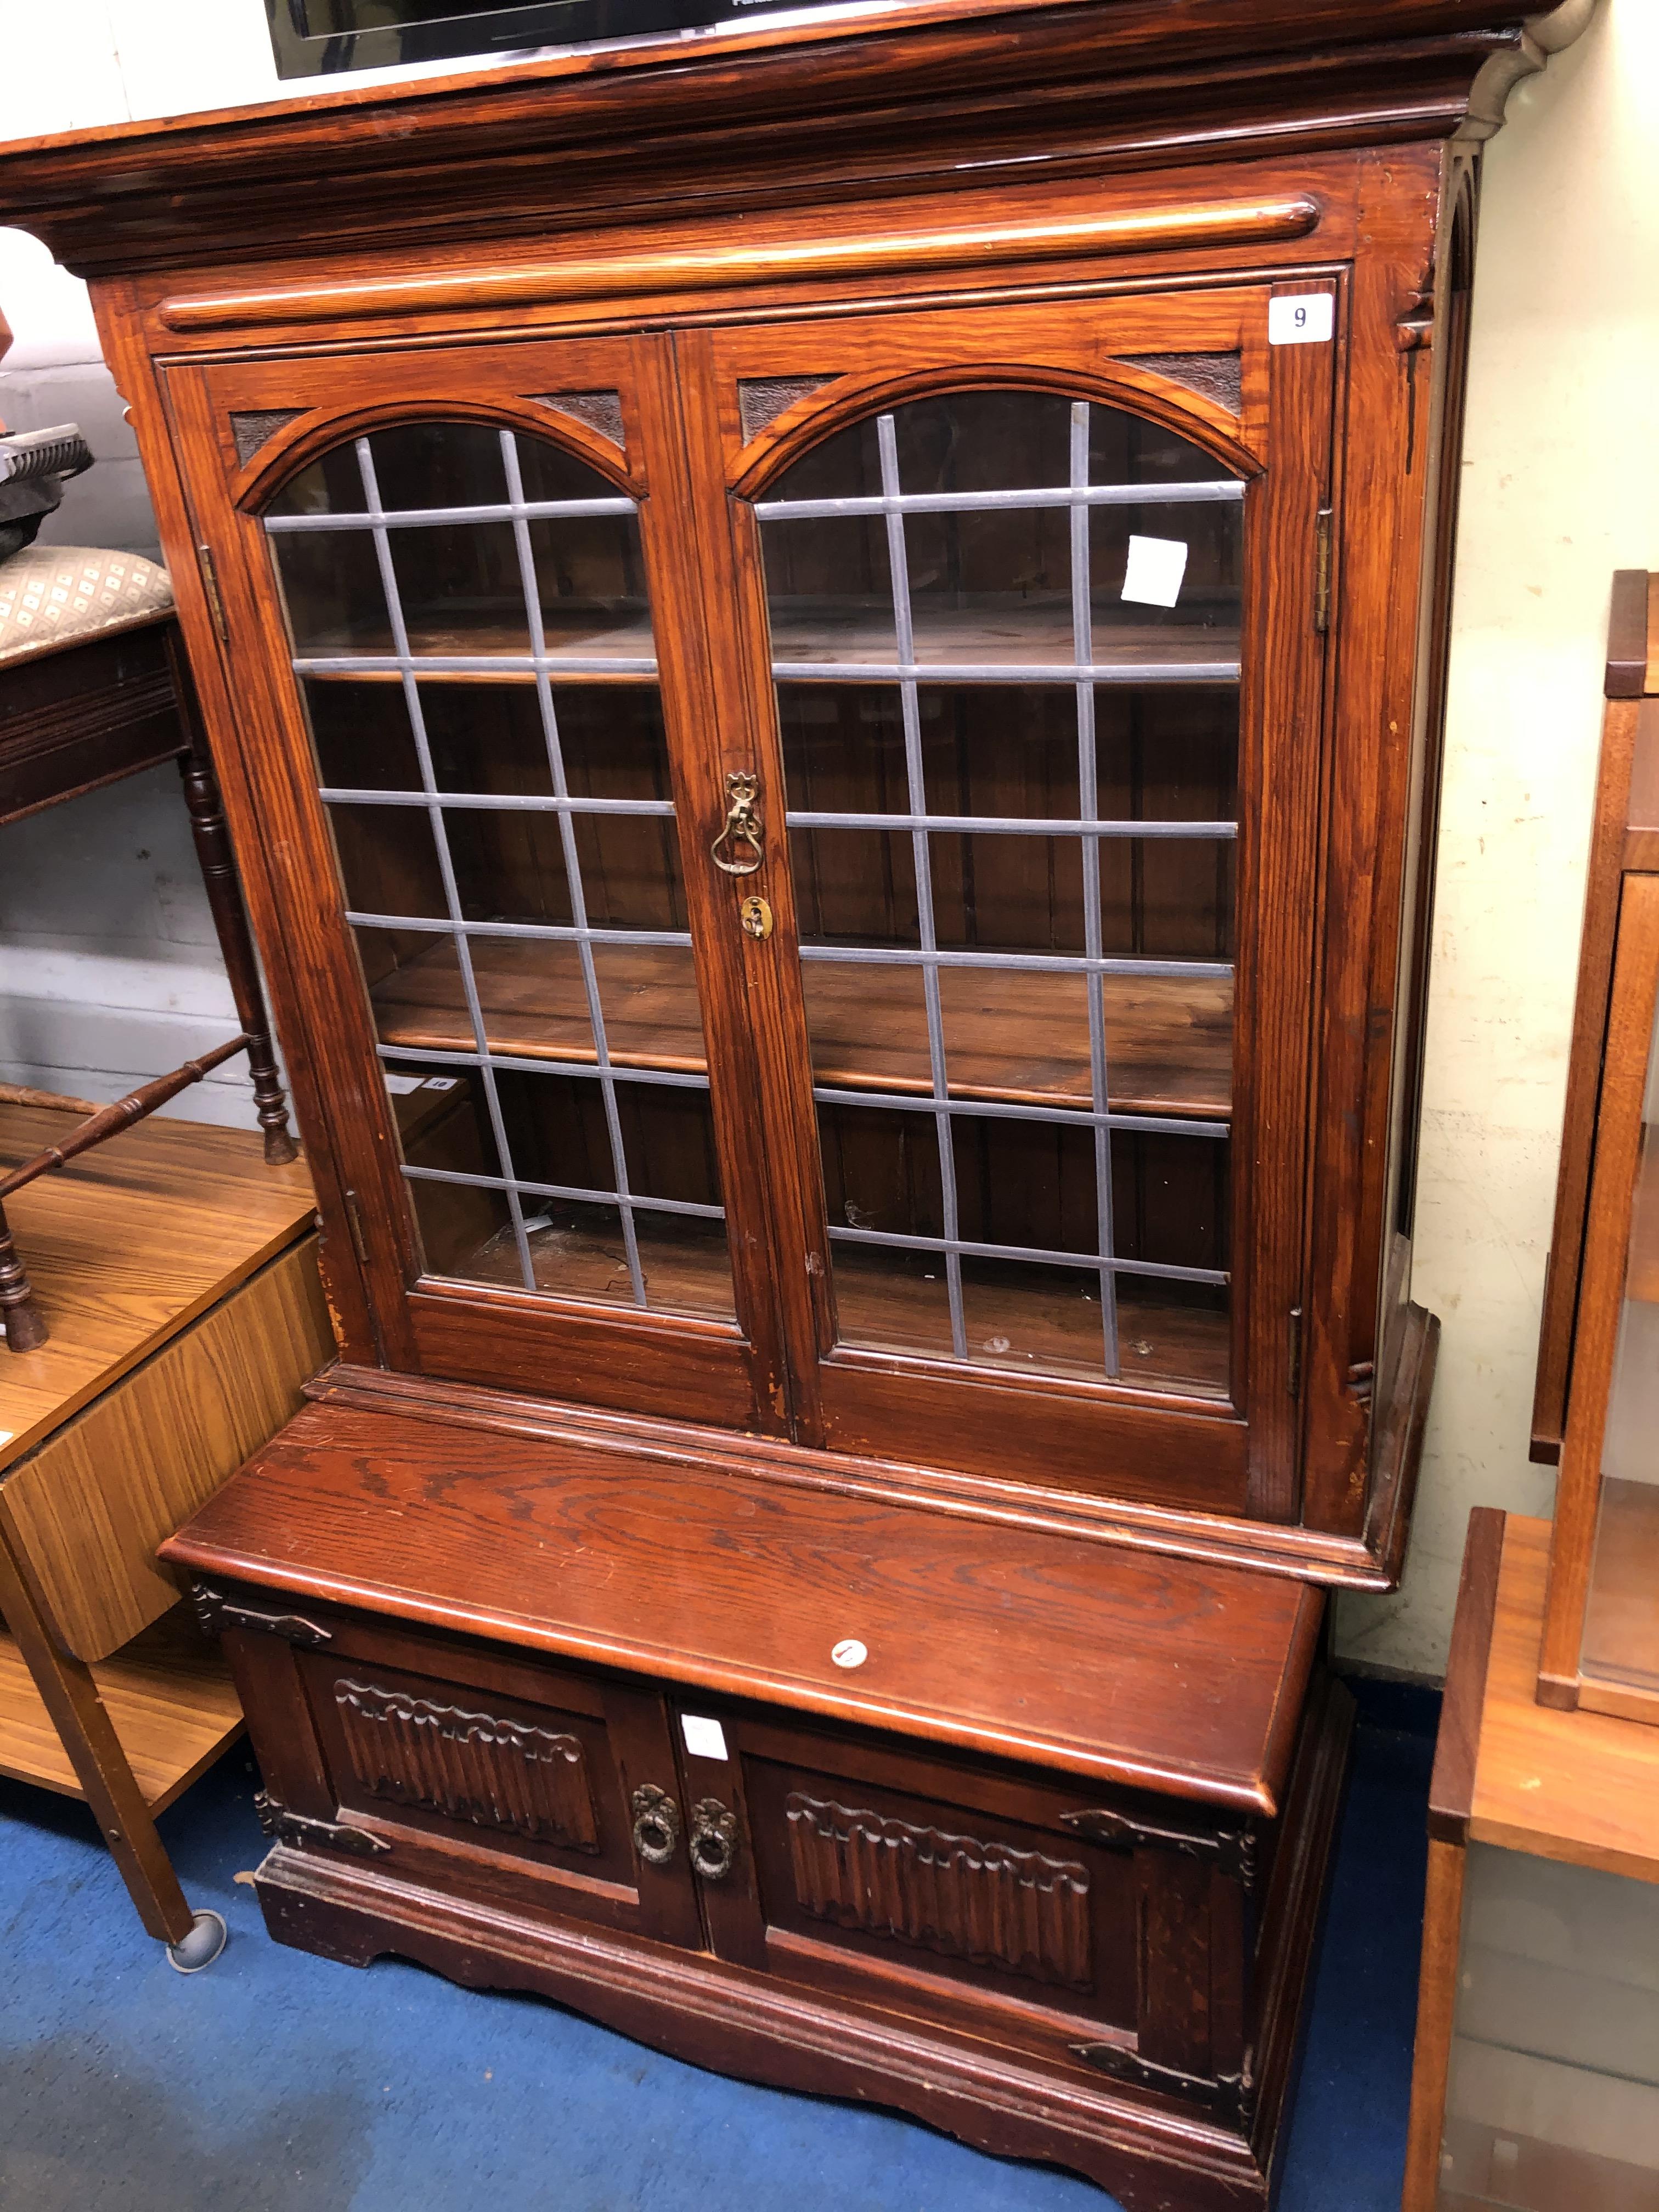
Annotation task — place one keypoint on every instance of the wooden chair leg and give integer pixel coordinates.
(100, 1766)
(224, 890)
(25, 1325)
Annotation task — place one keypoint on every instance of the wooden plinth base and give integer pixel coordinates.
(1144, 2148)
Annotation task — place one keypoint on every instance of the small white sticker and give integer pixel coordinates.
(1302, 318)
(1156, 567)
(704, 1739)
(401, 1085)
(849, 1652)
(441, 1082)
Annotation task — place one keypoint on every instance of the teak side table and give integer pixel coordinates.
(179, 1272)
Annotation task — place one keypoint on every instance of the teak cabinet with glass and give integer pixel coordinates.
(826, 646)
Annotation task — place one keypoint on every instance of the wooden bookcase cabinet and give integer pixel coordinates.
(826, 650)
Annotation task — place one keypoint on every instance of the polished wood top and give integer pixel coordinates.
(128, 1245)
(1575, 1786)
(1171, 1675)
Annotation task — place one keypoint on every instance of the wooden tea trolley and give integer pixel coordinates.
(838, 631)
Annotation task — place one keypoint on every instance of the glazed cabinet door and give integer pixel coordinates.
(471, 730)
(1022, 721)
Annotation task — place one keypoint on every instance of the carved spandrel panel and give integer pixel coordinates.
(251, 431)
(1217, 376)
(600, 411)
(982, 1902)
(762, 400)
(494, 1772)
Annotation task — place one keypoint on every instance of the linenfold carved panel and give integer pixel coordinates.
(1217, 376)
(985, 1903)
(471, 1766)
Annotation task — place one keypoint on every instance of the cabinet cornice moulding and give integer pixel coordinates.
(734, 121)
(714, 268)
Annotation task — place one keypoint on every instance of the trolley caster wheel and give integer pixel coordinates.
(201, 1947)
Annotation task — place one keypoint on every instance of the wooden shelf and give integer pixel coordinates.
(1033, 633)
(126, 1246)
(895, 1301)
(168, 1694)
(1011, 1034)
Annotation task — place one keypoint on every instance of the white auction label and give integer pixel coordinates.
(1302, 318)
(704, 1739)
(441, 1082)
(1153, 572)
(849, 1652)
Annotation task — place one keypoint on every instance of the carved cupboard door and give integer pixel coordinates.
(459, 1767)
(472, 759)
(1100, 1929)
(1021, 718)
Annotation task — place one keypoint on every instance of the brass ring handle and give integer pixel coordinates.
(742, 827)
(714, 1839)
(656, 1824)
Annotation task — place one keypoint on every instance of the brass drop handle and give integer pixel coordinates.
(656, 1824)
(714, 1839)
(742, 827)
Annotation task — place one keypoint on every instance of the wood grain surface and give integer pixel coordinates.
(740, 1586)
(1626, 798)
(1619, 1135)
(168, 1694)
(1579, 1787)
(87, 1510)
(1009, 1034)
(128, 1246)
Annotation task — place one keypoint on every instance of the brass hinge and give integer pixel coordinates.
(1232, 1850)
(1231, 2097)
(210, 586)
(299, 1830)
(215, 1612)
(1293, 1376)
(1322, 570)
(355, 1222)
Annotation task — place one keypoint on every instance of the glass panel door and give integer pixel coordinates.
(472, 639)
(1004, 637)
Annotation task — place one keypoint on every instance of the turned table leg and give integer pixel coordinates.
(25, 1325)
(218, 866)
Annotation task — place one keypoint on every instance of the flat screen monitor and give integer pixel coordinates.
(314, 38)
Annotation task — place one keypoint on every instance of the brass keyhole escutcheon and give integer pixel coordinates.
(756, 916)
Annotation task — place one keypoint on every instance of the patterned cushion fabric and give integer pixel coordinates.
(56, 595)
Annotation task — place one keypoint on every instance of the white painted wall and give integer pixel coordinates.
(107, 965)
(1560, 488)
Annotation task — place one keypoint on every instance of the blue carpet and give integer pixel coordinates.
(275, 2080)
